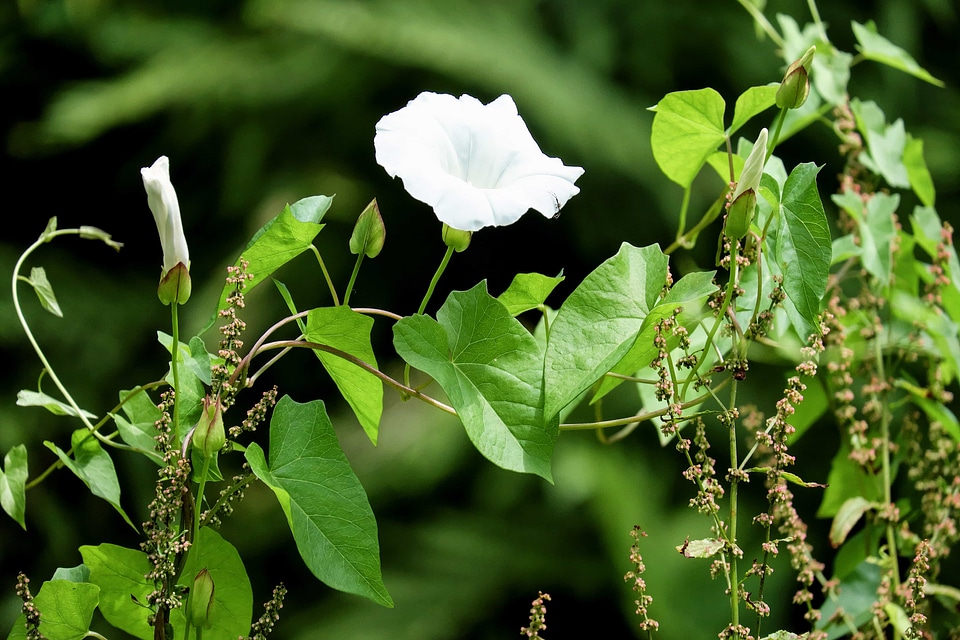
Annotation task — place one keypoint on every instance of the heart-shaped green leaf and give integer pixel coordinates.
(687, 128)
(490, 367)
(598, 324)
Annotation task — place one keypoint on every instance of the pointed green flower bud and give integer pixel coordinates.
(740, 215)
(795, 86)
(369, 232)
(455, 238)
(743, 202)
(209, 435)
(200, 603)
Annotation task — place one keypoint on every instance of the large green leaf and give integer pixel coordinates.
(66, 609)
(94, 466)
(687, 128)
(688, 293)
(324, 502)
(599, 322)
(491, 369)
(802, 247)
(13, 481)
(280, 240)
(233, 596)
(120, 574)
(875, 47)
(344, 329)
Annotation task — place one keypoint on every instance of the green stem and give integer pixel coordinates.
(815, 14)
(426, 299)
(435, 280)
(353, 278)
(734, 490)
(174, 357)
(688, 239)
(196, 535)
(326, 275)
(44, 238)
(684, 206)
(892, 553)
(772, 142)
(762, 21)
(722, 312)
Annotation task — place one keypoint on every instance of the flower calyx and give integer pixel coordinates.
(795, 86)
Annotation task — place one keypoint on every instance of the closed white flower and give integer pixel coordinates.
(477, 165)
(162, 199)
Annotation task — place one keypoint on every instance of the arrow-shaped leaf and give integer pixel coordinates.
(325, 504)
(349, 331)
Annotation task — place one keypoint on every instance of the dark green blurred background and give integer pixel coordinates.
(264, 102)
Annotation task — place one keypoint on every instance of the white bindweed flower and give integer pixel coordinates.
(477, 165)
(162, 199)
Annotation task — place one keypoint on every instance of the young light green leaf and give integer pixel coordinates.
(94, 466)
(279, 241)
(491, 369)
(38, 280)
(344, 329)
(847, 517)
(875, 47)
(752, 102)
(138, 429)
(193, 356)
(705, 548)
(687, 128)
(369, 232)
(528, 291)
(939, 328)
(847, 480)
(190, 394)
(917, 172)
(119, 573)
(325, 505)
(613, 301)
(79, 573)
(13, 480)
(27, 398)
(232, 607)
(876, 226)
(802, 247)
(66, 609)
(855, 603)
(885, 143)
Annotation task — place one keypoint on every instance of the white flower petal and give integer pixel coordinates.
(477, 165)
(163, 203)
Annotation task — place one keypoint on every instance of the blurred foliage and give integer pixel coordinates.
(263, 102)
